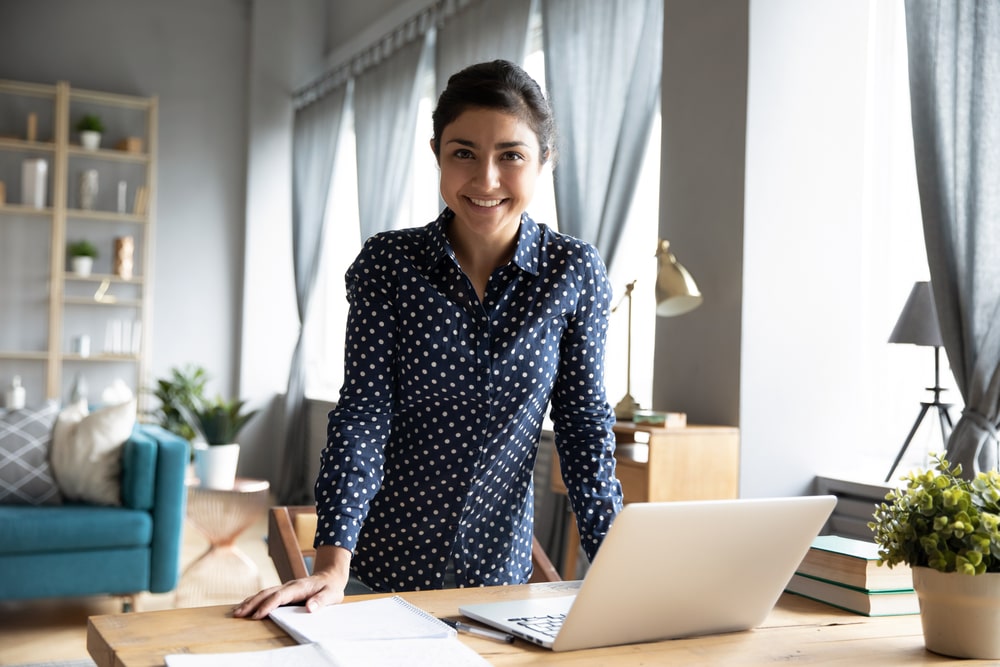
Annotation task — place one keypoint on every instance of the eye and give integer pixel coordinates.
(463, 154)
(512, 155)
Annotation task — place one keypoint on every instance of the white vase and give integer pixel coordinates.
(82, 265)
(215, 465)
(90, 140)
(960, 613)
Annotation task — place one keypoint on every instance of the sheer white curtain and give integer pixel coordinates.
(602, 68)
(463, 38)
(386, 98)
(314, 146)
(954, 51)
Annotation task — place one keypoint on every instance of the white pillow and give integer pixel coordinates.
(86, 452)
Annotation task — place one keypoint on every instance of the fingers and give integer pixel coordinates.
(315, 591)
(261, 604)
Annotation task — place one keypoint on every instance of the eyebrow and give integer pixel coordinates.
(503, 145)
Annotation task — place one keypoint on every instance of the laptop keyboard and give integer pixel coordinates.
(546, 625)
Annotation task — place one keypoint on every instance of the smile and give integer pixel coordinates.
(488, 203)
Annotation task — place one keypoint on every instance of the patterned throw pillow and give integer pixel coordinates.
(25, 475)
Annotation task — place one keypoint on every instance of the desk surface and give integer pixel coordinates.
(798, 630)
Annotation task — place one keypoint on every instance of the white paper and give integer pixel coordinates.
(383, 618)
(303, 655)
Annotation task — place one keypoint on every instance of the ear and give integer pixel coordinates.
(437, 158)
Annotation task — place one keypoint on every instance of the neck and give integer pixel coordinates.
(479, 257)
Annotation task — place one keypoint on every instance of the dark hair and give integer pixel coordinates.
(500, 85)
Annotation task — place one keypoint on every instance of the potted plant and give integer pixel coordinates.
(90, 128)
(947, 529)
(82, 255)
(217, 424)
(182, 389)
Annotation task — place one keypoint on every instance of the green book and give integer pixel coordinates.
(852, 562)
(857, 600)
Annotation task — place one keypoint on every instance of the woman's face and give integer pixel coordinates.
(489, 163)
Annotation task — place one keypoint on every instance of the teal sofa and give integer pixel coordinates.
(76, 549)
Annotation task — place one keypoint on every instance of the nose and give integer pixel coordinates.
(487, 174)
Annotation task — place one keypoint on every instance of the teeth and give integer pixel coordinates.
(485, 202)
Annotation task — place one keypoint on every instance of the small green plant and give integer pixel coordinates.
(182, 390)
(942, 521)
(90, 123)
(218, 422)
(82, 248)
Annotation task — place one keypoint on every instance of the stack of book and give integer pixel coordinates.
(844, 572)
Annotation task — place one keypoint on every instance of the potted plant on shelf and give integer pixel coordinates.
(947, 529)
(81, 256)
(90, 128)
(217, 424)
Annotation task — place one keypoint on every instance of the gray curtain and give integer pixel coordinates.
(386, 96)
(314, 147)
(954, 66)
(481, 31)
(602, 71)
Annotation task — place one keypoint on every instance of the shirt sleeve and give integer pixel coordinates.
(582, 417)
(352, 462)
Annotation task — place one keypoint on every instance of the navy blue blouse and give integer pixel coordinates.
(431, 447)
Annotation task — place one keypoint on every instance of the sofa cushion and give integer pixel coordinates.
(86, 452)
(25, 474)
(72, 527)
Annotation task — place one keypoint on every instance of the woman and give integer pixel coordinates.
(459, 335)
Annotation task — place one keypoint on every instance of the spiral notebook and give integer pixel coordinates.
(383, 618)
(385, 632)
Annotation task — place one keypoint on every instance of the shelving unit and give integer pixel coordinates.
(44, 307)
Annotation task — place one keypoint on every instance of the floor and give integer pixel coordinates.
(41, 630)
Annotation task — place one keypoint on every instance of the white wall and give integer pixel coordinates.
(192, 55)
(803, 250)
(804, 262)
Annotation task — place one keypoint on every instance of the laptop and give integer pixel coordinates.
(673, 569)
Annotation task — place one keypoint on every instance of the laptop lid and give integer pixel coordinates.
(678, 569)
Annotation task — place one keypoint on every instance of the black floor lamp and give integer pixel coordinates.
(918, 325)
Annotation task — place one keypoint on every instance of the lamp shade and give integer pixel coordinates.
(676, 291)
(918, 323)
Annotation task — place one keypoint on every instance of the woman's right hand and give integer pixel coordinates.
(324, 587)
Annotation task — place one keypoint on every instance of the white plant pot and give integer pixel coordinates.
(90, 140)
(215, 465)
(82, 266)
(960, 613)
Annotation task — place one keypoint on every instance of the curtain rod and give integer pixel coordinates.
(416, 26)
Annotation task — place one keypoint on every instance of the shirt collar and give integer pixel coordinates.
(525, 255)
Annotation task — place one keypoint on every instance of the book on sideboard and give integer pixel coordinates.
(857, 600)
(853, 562)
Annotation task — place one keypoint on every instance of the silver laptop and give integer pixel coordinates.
(673, 569)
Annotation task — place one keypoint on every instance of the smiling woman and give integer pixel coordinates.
(460, 334)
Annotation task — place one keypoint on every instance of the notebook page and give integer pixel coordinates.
(409, 652)
(384, 618)
(303, 655)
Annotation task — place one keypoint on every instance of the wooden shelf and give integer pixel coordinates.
(103, 358)
(10, 144)
(23, 356)
(21, 209)
(105, 216)
(90, 301)
(67, 311)
(101, 277)
(107, 154)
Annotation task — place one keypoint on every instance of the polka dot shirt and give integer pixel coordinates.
(431, 447)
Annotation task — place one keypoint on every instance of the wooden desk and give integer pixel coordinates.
(658, 464)
(797, 631)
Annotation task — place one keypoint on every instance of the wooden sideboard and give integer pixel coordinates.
(655, 464)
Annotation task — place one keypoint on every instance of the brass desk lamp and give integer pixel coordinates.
(676, 294)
